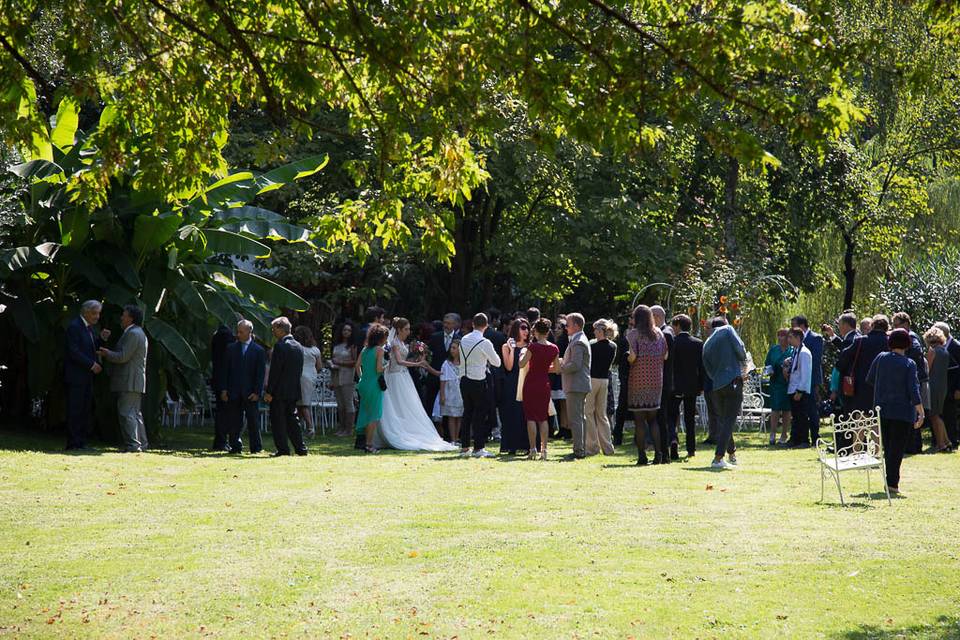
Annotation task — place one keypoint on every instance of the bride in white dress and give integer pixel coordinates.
(405, 425)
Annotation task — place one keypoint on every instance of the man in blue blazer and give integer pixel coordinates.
(242, 386)
(80, 365)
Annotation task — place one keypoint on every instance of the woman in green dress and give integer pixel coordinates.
(779, 400)
(370, 365)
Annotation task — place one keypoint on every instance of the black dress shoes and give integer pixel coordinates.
(277, 454)
(674, 451)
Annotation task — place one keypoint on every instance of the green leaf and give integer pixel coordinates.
(237, 187)
(260, 288)
(270, 230)
(228, 242)
(36, 169)
(150, 232)
(66, 123)
(218, 305)
(186, 293)
(172, 341)
(20, 309)
(24, 257)
(289, 172)
(244, 213)
(74, 226)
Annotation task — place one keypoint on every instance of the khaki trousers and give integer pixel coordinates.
(598, 423)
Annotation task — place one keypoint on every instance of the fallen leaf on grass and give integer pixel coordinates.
(413, 554)
(709, 487)
(780, 616)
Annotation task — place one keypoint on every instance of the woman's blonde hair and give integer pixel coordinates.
(934, 337)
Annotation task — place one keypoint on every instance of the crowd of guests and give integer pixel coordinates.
(522, 380)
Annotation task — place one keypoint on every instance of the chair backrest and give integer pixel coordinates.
(859, 431)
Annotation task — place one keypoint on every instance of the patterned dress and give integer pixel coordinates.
(645, 385)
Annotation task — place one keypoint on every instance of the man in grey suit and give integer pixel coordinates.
(129, 377)
(575, 373)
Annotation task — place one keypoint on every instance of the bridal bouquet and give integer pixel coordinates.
(417, 350)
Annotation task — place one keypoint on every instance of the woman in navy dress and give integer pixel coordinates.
(543, 358)
(513, 430)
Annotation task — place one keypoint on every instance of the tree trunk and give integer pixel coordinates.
(849, 273)
(731, 181)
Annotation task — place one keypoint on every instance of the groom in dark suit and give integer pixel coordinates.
(439, 345)
(688, 375)
(283, 389)
(242, 385)
(80, 365)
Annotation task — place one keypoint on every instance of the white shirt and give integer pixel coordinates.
(801, 371)
(481, 353)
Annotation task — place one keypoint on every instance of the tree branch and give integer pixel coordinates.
(274, 107)
(44, 90)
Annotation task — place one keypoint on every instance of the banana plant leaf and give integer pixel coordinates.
(230, 243)
(172, 341)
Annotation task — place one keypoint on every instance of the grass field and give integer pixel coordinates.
(180, 543)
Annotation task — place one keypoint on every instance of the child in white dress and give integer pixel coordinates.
(451, 402)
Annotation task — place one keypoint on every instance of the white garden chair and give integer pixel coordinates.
(753, 409)
(324, 403)
(863, 451)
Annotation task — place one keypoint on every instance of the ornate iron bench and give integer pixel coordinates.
(863, 450)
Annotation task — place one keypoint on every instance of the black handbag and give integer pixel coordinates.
(382, 382)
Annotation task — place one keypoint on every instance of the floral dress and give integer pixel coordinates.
(645, 384)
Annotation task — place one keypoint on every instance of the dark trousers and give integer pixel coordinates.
(221, 423)
(727, 402)
(285, 424)
(713, 421)
(689, 418)
(494, 392)
(667, 416)
(806, 421)
(950, 419)
(79, 407)
(895, 434)
(475, 407)
(623, 408)
(238, 411)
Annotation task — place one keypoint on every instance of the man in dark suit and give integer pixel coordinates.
(439, 345)
(495, 378)
(283, 389)
(222, 339)
(688, 377)
(953, 385)
(244, 364)
(856, 359)
(373, 315)
(80, 365)
(917, 353)
(847, 322)
(666, 417)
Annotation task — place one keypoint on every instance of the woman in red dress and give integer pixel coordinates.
(543, 358)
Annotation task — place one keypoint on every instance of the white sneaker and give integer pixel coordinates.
(483, 453)
(465, 453)
(720, 464)
(732, 459)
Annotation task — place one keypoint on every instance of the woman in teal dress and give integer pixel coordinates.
(779, 400)
(371, 366)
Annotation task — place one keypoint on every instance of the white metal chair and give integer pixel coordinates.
(753, 409)
(863, 451)
(323, 407)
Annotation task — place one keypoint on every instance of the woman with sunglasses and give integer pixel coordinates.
(513, 429)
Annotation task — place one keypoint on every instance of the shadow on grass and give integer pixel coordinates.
(943, 628)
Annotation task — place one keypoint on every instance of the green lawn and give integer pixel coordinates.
(181, 543)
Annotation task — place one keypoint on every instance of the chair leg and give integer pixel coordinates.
(822, 480)
(836, 478)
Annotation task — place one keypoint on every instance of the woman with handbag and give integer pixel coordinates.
(371, 386)
(779, 400)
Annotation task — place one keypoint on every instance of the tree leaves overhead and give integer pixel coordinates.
(411, 78)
